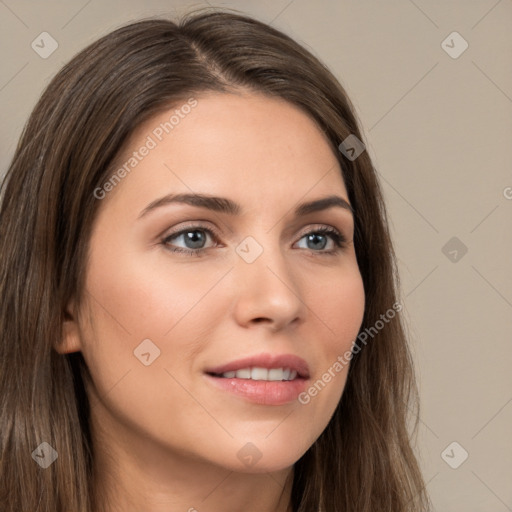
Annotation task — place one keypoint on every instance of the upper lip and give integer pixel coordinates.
(266, 361)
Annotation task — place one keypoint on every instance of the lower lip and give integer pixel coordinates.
(261, 391)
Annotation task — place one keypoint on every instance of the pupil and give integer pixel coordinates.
(315, 238)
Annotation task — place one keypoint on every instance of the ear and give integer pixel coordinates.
(70, 339)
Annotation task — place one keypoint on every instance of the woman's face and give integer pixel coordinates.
(180, 285)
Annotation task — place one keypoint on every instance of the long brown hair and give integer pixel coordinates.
(364, 460)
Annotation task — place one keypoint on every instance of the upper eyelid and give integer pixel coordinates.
(191, 227)
(216, 235)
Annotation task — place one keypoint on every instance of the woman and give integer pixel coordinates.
(198, 296)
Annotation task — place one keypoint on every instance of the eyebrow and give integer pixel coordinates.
(228, 206)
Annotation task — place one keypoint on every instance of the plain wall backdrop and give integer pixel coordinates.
(432, 85)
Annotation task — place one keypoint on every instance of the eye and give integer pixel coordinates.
(318, 239)
(193, 240)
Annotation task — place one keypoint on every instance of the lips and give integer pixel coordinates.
(256, 378)
(263, 361)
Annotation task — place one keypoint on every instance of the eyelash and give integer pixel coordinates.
(337, 237)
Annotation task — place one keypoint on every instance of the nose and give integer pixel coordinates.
(267, 292)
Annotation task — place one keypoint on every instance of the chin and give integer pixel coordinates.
(265, 456)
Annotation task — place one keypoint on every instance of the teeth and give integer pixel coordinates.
(245, 373)
(276, 374)
(257, 373)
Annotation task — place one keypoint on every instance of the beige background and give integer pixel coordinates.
(439, 130)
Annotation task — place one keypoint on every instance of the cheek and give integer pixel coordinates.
(338, 310)
(131, 302)
(149, 298)
(341, 308)
(342, 312)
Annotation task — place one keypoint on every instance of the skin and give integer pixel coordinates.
(164, 438)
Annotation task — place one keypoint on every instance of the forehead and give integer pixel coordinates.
(247, 146)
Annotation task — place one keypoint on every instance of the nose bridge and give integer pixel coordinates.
(266, 286)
